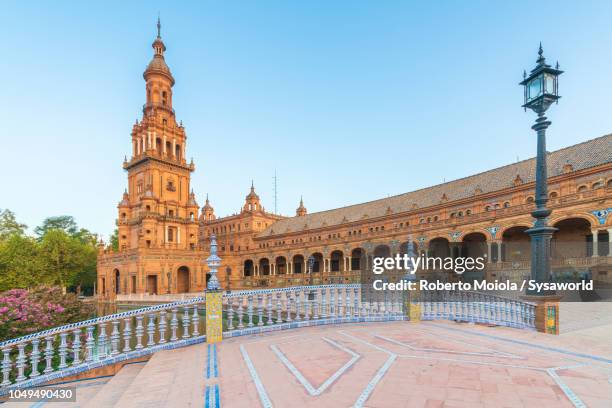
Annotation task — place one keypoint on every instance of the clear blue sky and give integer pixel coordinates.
(349, 101)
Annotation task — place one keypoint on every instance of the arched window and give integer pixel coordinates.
(468, 212)
(582, 189)
(507, 204)
(597, 185)
(164, 98)
(554, 194)
(487, 208)
(530, 200)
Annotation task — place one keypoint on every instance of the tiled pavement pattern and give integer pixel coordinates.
(399, 364)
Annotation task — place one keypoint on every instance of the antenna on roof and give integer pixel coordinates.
(275, 193)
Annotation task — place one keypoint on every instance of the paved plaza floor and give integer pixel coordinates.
(399, 364)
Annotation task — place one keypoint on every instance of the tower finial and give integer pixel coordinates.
(252, 185)
(158, 26)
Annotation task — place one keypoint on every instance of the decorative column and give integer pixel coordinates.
(214, 297)
(595, 243)
(412, 305)
(610, 242)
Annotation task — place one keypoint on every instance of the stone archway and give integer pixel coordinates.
(356, 255)
(573, 239)
(317, 265)
(280, 267)
(182, 280)
(516, 244)
(298, 264)
(248, 268)
(264, 266)
(117, 281)
(336, 261)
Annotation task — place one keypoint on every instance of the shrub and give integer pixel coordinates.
(27, 311)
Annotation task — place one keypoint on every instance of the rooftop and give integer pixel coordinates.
(591, 153)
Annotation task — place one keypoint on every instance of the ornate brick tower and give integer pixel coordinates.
(158, 215)
(159, 209)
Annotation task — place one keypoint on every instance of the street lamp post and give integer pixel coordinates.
(541, 90)
(311, 261)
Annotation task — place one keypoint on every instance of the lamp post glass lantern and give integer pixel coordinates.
(311, 261)
(541, 89)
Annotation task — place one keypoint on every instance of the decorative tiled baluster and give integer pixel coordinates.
(230, 314)
(186, 322)
(127, 334)
(162, 326)
(339, 304)
(89, 344)
(174, 325)
(315, 305)
(6, 366)
(323, 303)
(332, 302)
(102, 341)
(288, 304)
(195, 321)
(240, 313)
(35, 357)
(270, 308)
(21, 362)
(304, 298)
(298, 305)
(151, 330)
(63, 350)
(347, 302)
(260, 310)
(140, 331)
(364, 307)
(279, 309)
(76, 351)
(356, 302)
(115, 338)
(250, 310)
(48, 355)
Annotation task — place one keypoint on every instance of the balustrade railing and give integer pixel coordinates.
(307, 305)
(477, 307)
(73, 348)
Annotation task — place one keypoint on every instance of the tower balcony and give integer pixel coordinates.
(149, 108)
(158, 155)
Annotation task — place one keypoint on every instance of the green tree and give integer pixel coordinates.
(64, 223)
(20, 263)
(9, 225)
(63, 257)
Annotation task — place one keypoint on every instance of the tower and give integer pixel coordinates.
(301, 210)
(251, 202)
(159, 209)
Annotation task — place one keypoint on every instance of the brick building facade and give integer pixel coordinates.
(163, 235)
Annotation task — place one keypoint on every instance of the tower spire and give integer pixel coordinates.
(158, 26)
